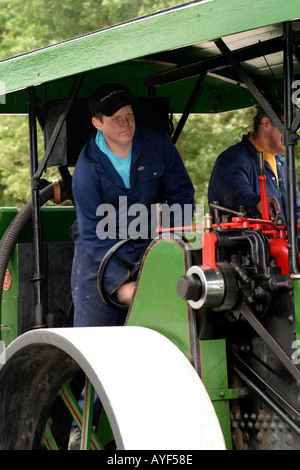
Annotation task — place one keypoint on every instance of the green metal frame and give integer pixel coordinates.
(189, 29)
(164, 262)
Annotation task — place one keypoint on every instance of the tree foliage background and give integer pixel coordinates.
(28, 25)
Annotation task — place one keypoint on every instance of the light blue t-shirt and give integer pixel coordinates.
(122, 165)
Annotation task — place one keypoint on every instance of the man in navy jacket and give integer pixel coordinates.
(122, 172)
(234, 179)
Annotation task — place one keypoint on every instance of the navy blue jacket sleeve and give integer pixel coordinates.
(87, 198)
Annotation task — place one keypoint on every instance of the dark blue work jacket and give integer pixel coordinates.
(234, 180)
(157, 175)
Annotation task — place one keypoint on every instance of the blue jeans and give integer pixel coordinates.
(89, 308)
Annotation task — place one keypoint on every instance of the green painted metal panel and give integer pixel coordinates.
(170, 29)
(104, 432)
(7, 214)
(214, 376)
(87, 422)
(56, 222)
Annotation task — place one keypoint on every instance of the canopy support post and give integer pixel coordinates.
(189, 107)
(290, 139)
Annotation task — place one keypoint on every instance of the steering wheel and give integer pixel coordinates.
(132, 270)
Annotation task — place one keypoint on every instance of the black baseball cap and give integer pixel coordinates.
(108, 99)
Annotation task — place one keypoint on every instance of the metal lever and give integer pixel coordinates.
(263, 190)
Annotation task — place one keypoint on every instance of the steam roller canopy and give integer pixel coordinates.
(153, 397)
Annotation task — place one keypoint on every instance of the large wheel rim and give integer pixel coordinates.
(159, 402)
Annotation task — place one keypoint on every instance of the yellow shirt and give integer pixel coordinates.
(268, 157)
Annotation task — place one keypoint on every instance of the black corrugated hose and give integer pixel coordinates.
(16, 227)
